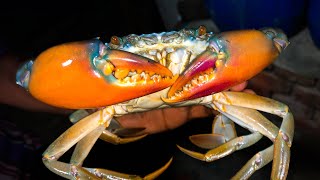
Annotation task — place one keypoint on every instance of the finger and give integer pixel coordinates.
(239, 87)
(159, 120)
(155, 121)
(250, 91)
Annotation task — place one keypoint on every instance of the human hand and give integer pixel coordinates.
(160, 120)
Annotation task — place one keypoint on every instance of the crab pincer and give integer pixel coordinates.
(230, 59)
(87, 74)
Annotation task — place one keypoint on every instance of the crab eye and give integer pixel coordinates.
(218, 45)
(271, 34)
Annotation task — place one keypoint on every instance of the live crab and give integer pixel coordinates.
(139, 73)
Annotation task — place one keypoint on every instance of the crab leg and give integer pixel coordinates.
(106, 135)
(223, 130)
(226, 148)
(259, 160)
(77, 132)
(240, 108)
(224, 126)
(114, 139)
(84, 133)
(282, 138)
(84, 146)
(107, 174)
(70, 137)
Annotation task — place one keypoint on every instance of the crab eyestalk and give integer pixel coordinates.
(87, 74)
(230, 59)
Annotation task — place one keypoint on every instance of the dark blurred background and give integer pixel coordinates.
(28, 27)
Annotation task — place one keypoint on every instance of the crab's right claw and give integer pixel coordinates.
(88, 74)
(230, 59)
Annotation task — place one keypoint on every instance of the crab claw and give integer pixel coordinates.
(87, 74)
(230, 59)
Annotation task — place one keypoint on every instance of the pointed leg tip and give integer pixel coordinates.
(132, 139)
(186, 151)
(168, 163)
(128, 132)
(159, 171)
(181, 148)
(193, 154)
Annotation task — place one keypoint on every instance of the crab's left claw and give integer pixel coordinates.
(231, 58)
(88, 74)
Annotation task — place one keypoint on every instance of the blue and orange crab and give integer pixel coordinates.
(169, 69)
